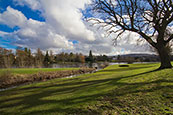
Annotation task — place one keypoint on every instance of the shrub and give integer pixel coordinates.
(123, 65)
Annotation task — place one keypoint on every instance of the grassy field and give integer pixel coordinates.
(136, 89)
(33, 70)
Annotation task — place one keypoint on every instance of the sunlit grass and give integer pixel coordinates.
(136, 89)
(33, 70)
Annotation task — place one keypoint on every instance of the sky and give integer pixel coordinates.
(60, 26)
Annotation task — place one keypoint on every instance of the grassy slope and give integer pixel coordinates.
(32, 70)
(129, 90)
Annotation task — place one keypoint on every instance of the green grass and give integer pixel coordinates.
(33, 70)
(136, 89)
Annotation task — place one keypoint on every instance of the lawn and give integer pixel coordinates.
(32, 70)
(136, 89)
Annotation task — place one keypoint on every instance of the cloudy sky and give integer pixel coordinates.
(57, 25)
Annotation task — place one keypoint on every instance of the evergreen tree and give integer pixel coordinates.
(51, 56)
(91, 58)
(30, 59)
(47, 59)
(26, 50)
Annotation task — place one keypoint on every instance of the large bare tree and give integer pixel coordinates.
(151, 19)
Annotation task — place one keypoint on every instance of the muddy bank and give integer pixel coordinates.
(15, 80)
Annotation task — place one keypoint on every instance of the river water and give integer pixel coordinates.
(78, 65)
(98, 65)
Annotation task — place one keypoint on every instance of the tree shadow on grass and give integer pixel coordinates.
(68, 105)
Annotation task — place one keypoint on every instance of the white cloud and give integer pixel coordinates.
(33, 4)
(12, 17)
(64, 23)
(66, 17)
(39, 35)
(32, 33)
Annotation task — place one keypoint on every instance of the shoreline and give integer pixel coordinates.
(20, 80)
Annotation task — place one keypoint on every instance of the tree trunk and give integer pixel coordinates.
(164, 57)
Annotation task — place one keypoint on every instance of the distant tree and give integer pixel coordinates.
(147, 18)
(102, 58)
(21, 58)
(91, 58)
(105, 58)
(72, 57)
(118, 57)
(66, 57)
(82, 58)
(39, 58)
(77, 57)
(26, 50)
(129, 60)
(51, 56)
(9, 59)
(1, 58)
(30, 59)
(61, 57)
(29, 52)
(6, 58)
(46, 59)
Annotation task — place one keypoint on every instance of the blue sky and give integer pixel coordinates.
(56, 25)
(28, 12)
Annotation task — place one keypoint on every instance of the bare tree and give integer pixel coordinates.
(21, 58)
(6, 58)
(39, 58)
(148, 18)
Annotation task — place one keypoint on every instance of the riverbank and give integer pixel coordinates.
(10, 79)
(135, 90)
(32, 70)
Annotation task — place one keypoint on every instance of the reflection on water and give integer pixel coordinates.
(90, 65)
(75, 65)
(78, 65)
(99, 65)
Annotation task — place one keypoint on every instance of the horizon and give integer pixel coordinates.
(44, 52)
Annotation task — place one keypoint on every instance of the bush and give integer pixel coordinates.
(5, 75)
(123, 65)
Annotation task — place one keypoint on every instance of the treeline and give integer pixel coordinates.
(23, 58)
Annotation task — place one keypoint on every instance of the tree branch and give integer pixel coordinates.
(169, 39)
(145, 17)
